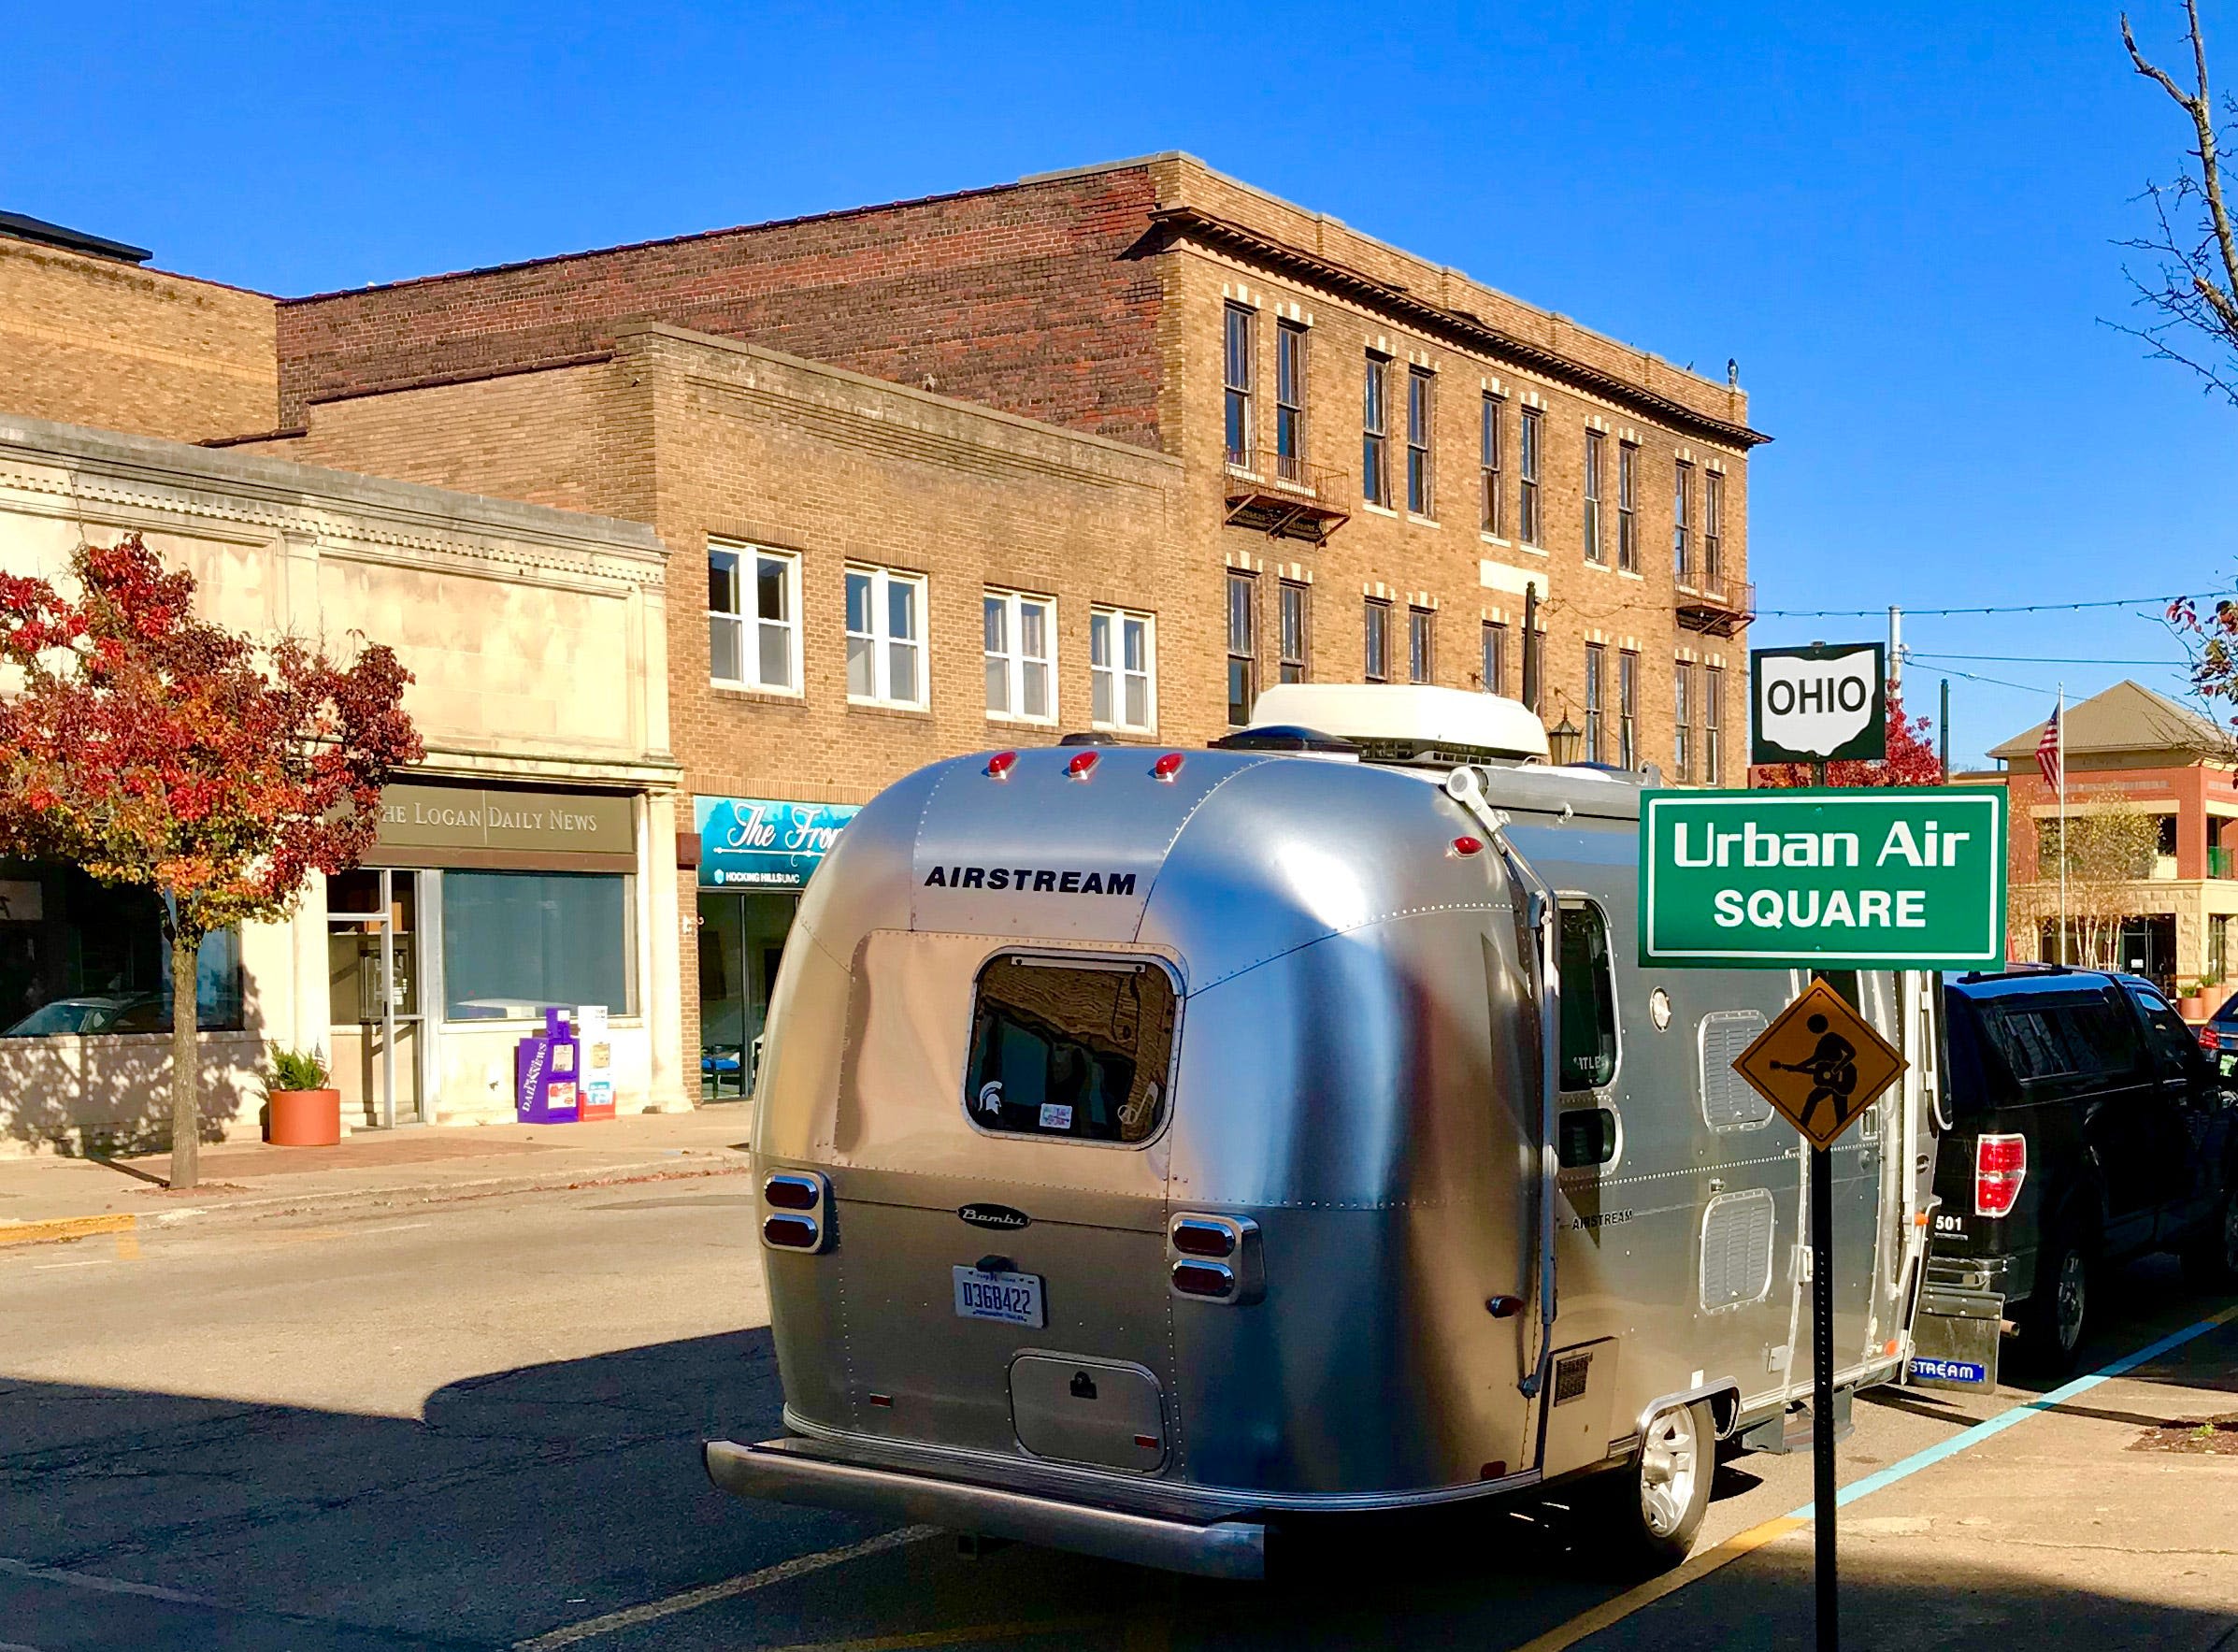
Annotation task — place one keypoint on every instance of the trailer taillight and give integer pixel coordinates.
(796, 1212)
(1465, 847)
(1082, 764)
(1217, 1258)
(1000, 765)
(2000, 1165)
(1166, 768)
(792, 1233)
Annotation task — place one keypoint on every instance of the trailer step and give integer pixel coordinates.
(1795, 1428)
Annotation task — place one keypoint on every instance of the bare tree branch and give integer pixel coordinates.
(2196, 284)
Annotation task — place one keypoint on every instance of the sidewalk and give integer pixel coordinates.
(57, 1199)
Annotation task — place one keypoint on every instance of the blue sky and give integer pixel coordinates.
(1898, 217)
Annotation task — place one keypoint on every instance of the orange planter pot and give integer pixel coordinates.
(304, 1119)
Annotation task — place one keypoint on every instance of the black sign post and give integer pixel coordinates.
(1822, 1373)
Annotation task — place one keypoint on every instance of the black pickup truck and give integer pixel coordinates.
(2088, 1126)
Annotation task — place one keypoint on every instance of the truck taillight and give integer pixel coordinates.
(2000, 1165)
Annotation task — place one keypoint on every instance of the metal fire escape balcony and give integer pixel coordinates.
(1713, 604)
(1284, 498)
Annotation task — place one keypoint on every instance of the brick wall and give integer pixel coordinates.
(1015, 297)
(97, 341)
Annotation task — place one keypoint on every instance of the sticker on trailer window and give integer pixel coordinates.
(990, 1097)
(1055, 1116)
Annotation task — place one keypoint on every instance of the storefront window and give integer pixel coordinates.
(515, 943)
(80, 957)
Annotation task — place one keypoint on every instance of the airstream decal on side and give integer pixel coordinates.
(1028, 880)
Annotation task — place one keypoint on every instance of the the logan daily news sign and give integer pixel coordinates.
(1909, 878)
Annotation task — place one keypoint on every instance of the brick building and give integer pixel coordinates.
(1108, 447)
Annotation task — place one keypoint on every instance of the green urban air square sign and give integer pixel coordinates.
(1906, 878)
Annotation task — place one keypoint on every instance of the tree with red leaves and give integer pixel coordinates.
(1911, 760)
(153, 749)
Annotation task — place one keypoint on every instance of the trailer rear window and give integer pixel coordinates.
(1077, 1050)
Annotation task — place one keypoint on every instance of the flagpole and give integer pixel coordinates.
(2060, 726)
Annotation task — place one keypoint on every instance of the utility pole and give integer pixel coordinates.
(1896, 649)
(1530, 646)
(1943, 730)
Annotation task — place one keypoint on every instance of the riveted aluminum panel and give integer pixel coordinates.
(1729, 1102)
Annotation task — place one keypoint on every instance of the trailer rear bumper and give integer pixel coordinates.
(800, 1470)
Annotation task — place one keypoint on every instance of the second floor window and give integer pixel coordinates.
(1122, 670)
(753, 618)
(1418, 441)
(1627, 708)
(1375, 476)
(1294, 620)
(1289, 401)
(1420, 622)
(1235, 375)
(1628, 507)
(1492, 438)
(1596, 656)
(1593, 547)
(1243, 647)
(1496, 657)
(1527, 513)
(1020, 645)
(1712, 525)
(886, 636)
(1682, 522)
(1681, 719)
(1713, 723)
(1377, 643)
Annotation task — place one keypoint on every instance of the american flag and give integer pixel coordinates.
(2051, 753)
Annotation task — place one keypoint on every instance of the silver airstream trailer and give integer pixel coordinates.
(1153, 1144)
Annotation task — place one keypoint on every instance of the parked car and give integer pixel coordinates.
(138, 1012)
(2218, 1035)
(2088, 1126)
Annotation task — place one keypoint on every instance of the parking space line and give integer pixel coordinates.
(1611, 1612)
(957, 1637)
(690, 1600)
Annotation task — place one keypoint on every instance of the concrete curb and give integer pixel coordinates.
(60, 1229)
(665, 1169)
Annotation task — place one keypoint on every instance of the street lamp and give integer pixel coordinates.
(1562, 741)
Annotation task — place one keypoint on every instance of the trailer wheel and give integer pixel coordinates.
(1656, 1502)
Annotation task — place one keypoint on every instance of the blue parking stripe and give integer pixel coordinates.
(2019, 1414)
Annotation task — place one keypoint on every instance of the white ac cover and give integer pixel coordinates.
(1404, 711)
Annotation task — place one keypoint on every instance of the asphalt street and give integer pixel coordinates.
(478, 1425)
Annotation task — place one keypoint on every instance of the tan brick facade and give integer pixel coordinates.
(92, 341)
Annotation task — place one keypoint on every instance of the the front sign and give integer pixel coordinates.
(1904, 878)
(763, 842)
(1818, 704)
(1820, 1063)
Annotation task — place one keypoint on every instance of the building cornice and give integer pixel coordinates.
(1173, 223)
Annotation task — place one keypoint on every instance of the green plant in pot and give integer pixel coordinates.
(302, 1109)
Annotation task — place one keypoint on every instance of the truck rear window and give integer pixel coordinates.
(2063, 1039)
(1077, 1050)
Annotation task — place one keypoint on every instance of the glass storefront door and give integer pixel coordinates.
(364, 1063)
(741, 939)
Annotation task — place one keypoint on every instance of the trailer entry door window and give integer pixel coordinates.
(1081, 1051)
(1589, 1000)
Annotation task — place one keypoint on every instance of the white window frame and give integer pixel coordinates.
(750, 621)
(1013, 656)
(882, 581)
(1112, 622)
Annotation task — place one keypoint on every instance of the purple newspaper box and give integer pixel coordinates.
(547, 1071)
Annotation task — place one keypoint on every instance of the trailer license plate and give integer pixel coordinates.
(1008, 1298)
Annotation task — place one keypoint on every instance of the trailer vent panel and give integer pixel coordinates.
(1728, 1102)
(1736, 1249)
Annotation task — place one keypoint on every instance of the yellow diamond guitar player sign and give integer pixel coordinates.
(1821, 1064)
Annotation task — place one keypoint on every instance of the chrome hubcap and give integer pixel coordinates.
(2074, 1286)
(1670, 1461)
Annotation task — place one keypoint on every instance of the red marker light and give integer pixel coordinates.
(1166, 768)
(1080, 765)
(1468, 846)
(1000, 765)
